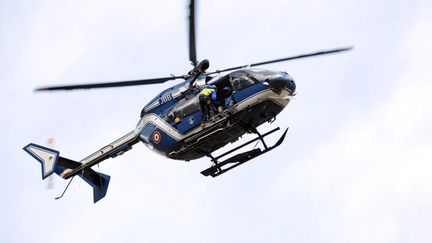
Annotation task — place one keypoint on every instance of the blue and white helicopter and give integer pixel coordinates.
(173, 125)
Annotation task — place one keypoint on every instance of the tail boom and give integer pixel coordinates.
(112, 150)
(51, 163)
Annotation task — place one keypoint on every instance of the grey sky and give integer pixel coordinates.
(355, 166)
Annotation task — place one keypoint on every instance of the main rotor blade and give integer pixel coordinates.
(109, 84)
(192, 47)
(285, 59)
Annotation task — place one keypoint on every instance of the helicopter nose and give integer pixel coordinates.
(277, 84)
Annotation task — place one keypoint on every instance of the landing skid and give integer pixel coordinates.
(218, 168)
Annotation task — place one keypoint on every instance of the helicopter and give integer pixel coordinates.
(173, 123)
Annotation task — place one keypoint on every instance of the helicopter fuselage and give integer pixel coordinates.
(171, 124)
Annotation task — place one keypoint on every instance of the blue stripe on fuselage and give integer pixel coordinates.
(248, 92)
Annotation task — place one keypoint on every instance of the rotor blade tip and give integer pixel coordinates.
(40, 89)
(349, 48)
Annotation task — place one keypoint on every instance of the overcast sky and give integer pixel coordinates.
(355, 167)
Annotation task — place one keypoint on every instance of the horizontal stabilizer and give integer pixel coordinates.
(46, 156)
(98, 181)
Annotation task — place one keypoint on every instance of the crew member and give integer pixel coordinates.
(225, 99)
(207, 95)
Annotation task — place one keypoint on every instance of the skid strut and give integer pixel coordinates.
(219, 168)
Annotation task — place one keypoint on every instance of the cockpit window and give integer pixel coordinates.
(241, 79)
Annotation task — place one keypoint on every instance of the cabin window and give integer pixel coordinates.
(182, 109)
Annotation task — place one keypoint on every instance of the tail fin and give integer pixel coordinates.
(98, 181)
(51, 163)
(46, 156)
